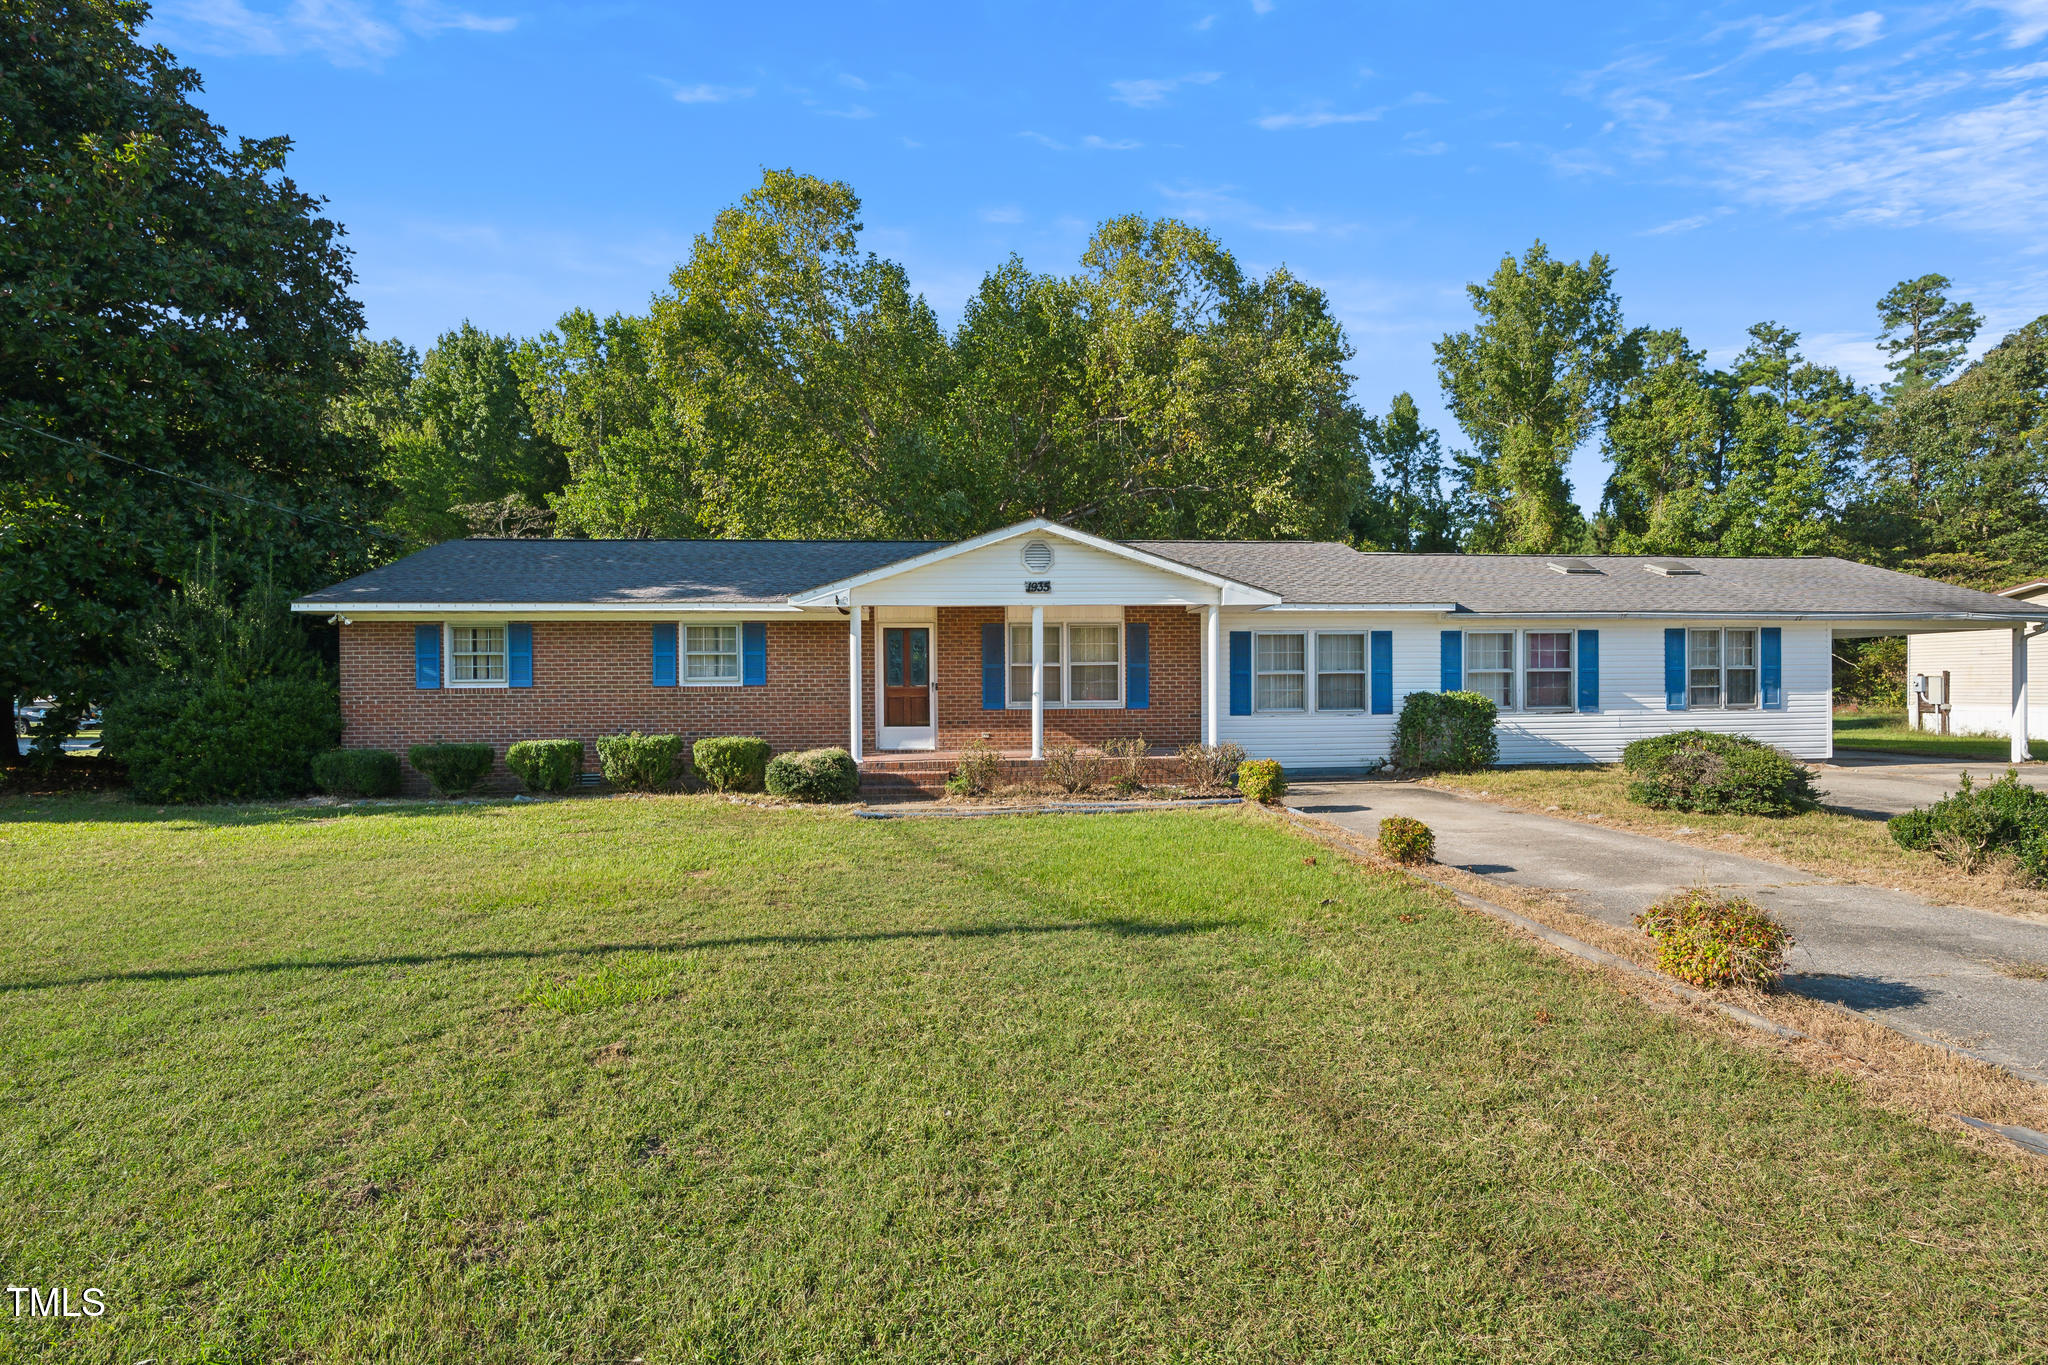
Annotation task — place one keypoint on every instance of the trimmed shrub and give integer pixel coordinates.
(1127, 761)
(1072, 770)
(731, 763)
(1211, 767)
(641, 763)
(1407, 841)
(1448, 732)
(1712, 941)
(221, 738)
(979, 769)
(814, 775)
(452, 769)
(357, 772)
(1716, 774)
(1261, 779)
(546, 765)
(1976, 824)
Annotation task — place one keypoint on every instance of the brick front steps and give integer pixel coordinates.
(925, 774)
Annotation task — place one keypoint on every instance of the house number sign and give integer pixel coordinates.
(1038, 585)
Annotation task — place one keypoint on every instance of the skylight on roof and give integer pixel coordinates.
(1670, 568)
(1572, 566)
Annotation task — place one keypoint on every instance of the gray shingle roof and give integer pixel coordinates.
(1325, 572)
(614, 572)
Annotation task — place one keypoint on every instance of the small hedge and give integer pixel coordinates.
(221, 738)
(641, 763)
(1715, 774)
(357, 772)
(1450, 732)
(814, 775)
(1975, 824)
(1713, 941)
(452, 769)
(1407, 841)
(546, 765)
(1261, 779)
(1210, 767)
(731, 763)
(980, 768)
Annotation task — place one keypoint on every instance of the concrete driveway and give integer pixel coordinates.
(1922, 968)
(1882, 785)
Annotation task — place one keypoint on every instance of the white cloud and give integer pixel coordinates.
(1857, 30)
(1203, 24)
(1686, 224)
(2027, 20)
(343, 32)
(1042, 140)
(1146, 94)
(1103, 144)
(1005, 213)
(1317, 118)
(1262, 6)
(851, 81)
(1223, 204)
(855, 111)
(712, 94)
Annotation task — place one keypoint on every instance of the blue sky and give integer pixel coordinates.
(506, 162)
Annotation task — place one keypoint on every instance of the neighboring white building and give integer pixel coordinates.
(1979, 668)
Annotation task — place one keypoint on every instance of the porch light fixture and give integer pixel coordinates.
(1037, 556)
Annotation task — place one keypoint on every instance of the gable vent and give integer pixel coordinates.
(1670, 568)
(1037, 556)
(1570, 566)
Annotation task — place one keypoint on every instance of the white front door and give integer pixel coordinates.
(909, 710)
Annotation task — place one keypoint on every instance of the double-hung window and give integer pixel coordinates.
(1721, 669)
(1547, 670)
(1083, 663)
(1092, 662)
(476, 656)
(1490, 665)
(711, 654)
(1340, 671)
(1280, 672)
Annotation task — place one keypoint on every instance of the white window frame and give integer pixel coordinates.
(504, 678)
(1064, 668)
(1756, 667)
(1363, 673)
(1513, 670)
(1307, 674)
(1571, 682)
(683, 652)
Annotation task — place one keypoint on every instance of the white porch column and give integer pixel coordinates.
(2020, 752)
(1212, 673)
(1038, 682)
(853, 663)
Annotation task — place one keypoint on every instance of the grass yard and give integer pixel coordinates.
(676, 1080)
(1888, 734)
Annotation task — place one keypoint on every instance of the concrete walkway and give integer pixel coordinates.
(1919, 967)
(1881, 785)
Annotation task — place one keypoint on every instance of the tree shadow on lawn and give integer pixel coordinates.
(108, 809)
(1116, 927)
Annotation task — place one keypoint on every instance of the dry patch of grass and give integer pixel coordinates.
(2019, 968)
(1845, 847)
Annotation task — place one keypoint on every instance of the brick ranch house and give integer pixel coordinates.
(903, 652)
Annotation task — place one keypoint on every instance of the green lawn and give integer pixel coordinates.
(1889, 734)
(672, 1079)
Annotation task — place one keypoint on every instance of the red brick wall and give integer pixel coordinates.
(591, 679)
(1173, 719)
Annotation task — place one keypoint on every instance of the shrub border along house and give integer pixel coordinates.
(452, 769)
(731, 763)
(546, 765)
(641, 763)
(357, 772)
(813, 775)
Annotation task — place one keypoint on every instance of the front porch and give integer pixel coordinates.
(924, 774)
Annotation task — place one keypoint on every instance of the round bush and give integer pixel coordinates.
(1714, 774)
(1712, 941)
(1261, 779)
(1974, 823)
(221, 738)
(1446, 732)
(546, 765)
(731, 763)
(357, 772)
(637, 762)
(1407, 841)
(452, 769)
(814, 775)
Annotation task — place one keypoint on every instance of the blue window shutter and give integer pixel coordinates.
(665, 654)
(1137, 666)
(992, 666)
(1383, 672)
(519, 655)
(754, 654)
(1771, 668)
(1589, 670)
(1240, 672)
(426, 656)
(1674, 668)
(1451, 674)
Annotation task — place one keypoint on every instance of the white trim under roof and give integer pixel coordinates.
(1234, 593)
(517, 609)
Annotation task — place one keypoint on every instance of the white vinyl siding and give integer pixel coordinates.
(1979, 665)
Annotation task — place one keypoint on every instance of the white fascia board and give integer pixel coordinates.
(1935, 620)
(552, 608)
(1367, 608)
(836, 594)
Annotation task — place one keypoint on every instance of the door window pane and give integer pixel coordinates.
(892, 658)
(920, 642)
(1340, 672)
(1550, 670)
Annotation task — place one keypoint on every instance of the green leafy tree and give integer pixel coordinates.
(1406, 508)
(1527, 384)
(1925, 334)
(171, 298)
